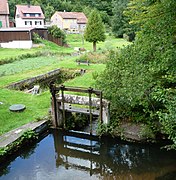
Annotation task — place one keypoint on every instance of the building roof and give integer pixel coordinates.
(4, 7)
(80, 16)
(28, 9)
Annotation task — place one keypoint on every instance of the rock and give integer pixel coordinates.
(132, 131)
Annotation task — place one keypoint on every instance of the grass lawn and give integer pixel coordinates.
(37, 105)
(76, 40)
(5, 54)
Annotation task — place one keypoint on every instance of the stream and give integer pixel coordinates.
(76, 156)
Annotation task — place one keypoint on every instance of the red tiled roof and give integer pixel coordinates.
(26, 9)
(4, 7)
(80, 16)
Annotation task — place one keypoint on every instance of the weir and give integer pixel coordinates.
(62, 103)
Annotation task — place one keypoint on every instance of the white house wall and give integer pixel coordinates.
(21, 22)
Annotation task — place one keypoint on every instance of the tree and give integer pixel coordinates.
(140, 81)
(49, 11)
(119, 20)
(95, 30)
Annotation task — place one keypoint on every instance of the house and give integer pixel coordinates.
(74, 22)
(4, 14)
(29, 16)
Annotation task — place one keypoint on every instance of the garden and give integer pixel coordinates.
(20, 64)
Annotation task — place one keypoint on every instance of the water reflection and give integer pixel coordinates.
(74, 156)
(108, 157)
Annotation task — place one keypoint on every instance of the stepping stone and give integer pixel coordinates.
(17, 107)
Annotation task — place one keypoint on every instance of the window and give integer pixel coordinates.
(38, 23)
(27, 15)
(27, 23)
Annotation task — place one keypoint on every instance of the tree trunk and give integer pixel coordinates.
(94, 46)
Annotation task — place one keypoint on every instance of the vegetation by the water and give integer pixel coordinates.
(26, 137)
(140, 79)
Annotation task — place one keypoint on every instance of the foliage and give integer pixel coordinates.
(140, 79)
(3, 151)
(23, 65)
(76, 121)
(95, 30)
(95, 57)
(119, 20)
(57, 33)
(147, 132)
(36, 38)
(27, 136)
(102, 129)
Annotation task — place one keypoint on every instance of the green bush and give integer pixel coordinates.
(57, 33)
(36, 38)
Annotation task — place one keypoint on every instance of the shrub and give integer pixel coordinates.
(57, 33)
(36, 38)
(95, 57)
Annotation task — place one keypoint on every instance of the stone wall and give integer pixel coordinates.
(31, 81)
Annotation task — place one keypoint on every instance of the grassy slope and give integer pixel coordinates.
(37, 106)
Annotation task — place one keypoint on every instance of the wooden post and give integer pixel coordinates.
(63, 106)
(101, 108)
(53, 92)
(90, 108)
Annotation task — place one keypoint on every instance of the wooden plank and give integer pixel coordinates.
(79, 110)
(82, 100)
(97, 92)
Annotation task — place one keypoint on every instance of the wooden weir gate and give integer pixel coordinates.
(61, 103)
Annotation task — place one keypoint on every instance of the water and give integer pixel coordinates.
(71, 156)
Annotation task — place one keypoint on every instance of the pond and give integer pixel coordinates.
(74, 156)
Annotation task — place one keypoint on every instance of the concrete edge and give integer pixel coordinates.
(12, 136)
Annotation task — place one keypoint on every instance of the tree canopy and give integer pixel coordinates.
(119, 20)
(140, 80)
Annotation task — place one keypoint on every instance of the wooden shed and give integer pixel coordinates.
(18, 34)
(26, 34)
